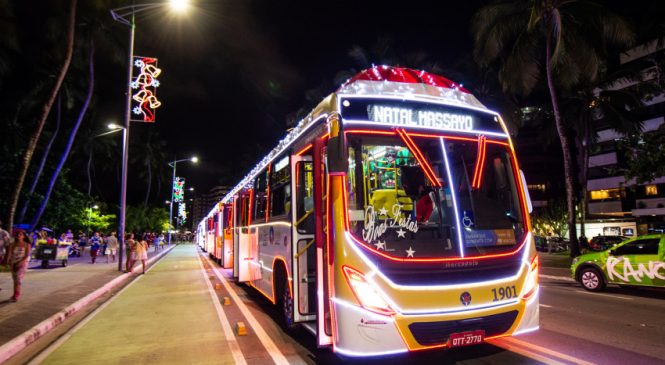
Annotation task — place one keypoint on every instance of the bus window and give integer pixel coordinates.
(280, 189)
(261, 197)
(305, 197)
(400, 197)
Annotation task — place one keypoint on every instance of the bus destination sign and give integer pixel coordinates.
(402, 113)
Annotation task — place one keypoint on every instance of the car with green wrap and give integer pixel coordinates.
(638, 261)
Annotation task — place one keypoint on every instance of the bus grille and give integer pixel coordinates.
(437, 333)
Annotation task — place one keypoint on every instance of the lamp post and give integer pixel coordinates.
(121, 15)
(173, 165)
(90, 216)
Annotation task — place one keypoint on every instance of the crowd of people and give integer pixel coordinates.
(16, 248)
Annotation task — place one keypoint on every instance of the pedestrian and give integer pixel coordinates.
(83, 241)
(69, 236)
(111, 247)
(95, 244)
(139, 252)
(18, 258)
(5, 239)
(155, 242)
(129, 244)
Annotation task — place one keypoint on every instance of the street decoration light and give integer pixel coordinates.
(127, 16)
(177, 195)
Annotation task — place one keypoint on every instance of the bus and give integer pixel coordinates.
(392, 218)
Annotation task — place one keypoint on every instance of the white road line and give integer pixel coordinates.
(238, 357)
(545, 306)
(524, 352)
(267, 342)
(547, 351)
(552, 277)
(604, 295)
(55, 345)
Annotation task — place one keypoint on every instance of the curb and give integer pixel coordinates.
(20, 342)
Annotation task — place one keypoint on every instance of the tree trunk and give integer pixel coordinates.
(42, 163)
(565, 146)
(32, 143)
(583, 179)
(70, 142)
(88, 172)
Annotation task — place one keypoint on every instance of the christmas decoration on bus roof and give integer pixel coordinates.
(178, 189)
(145, 84)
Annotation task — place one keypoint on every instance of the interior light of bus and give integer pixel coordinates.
(366, 294)
(531, 282)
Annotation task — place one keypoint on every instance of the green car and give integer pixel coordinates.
(638, 261)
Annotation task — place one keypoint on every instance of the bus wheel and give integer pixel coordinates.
(591, 279)
(287, 307)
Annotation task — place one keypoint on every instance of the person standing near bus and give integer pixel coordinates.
(111, 247)
(18, 257)
(129, 244)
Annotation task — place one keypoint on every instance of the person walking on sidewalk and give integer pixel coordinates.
(129, 244)
(94, 249)
(111, 247)
(18, 257)
(139, 252)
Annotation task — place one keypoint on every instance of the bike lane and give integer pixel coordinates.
(166, 316)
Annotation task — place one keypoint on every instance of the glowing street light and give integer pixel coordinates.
(126, 15)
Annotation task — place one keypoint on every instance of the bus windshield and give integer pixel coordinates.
(403, 202)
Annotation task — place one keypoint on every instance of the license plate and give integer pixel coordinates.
(48, 251)
(466, 338)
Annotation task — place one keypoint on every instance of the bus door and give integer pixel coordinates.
(303, 232)
(227, 234)
(218, 235)
(248, 255)
(323, 311)
(236, 204)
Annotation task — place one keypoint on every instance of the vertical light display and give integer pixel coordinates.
(178, 189)
(144, 86)
(182, 213)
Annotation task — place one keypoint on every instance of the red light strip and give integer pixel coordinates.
(480, 163)
(302, 151)
(419, 156)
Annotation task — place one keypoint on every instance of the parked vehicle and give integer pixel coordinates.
(637, 261)
(602, 243)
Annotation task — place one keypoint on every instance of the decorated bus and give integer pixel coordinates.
(393, 218)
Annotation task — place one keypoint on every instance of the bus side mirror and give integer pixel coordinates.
(526, 192)
(336, 145)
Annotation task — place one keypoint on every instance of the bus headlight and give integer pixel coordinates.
(531, 283)
(367, 295)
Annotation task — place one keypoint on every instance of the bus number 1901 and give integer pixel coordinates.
(502, 293)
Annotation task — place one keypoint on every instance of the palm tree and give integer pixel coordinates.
(568, 38)
(32, 142)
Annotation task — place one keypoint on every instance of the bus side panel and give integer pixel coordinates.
(245, 256)
(274, 243)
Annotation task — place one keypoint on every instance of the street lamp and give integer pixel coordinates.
(121, 15)
(173, 164)
(90, 215)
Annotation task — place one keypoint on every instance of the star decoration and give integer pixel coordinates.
(401, 233)
(380, 245)
(383, 211)
(136, 110)
(410, 252)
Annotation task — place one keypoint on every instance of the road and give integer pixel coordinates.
(176, 313)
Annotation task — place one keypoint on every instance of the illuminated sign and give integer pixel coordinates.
(145, 84)
(423, 118)
(419, 114)
(182, 213)
(178, 189)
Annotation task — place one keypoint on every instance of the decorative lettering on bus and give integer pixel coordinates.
(419, 118)
(374, 229)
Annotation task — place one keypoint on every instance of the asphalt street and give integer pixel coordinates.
(619, 326)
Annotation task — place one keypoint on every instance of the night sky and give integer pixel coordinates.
(235, 71)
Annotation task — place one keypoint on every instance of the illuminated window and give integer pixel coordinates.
(537, 187)
(651, 190)
(605, 194)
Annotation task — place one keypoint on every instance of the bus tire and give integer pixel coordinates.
(591, 279)
(284, 300)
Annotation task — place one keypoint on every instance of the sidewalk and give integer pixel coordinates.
(164, 317)
(48, 291)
